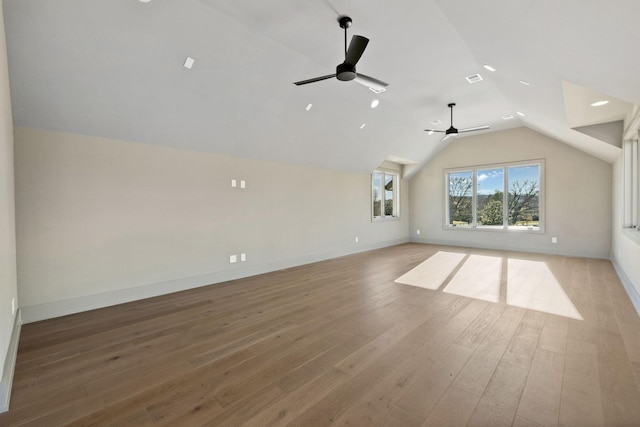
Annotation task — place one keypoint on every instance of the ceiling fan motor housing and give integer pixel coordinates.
(345, 72)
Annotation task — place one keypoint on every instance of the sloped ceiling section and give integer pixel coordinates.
(114, 68)
(611, 132)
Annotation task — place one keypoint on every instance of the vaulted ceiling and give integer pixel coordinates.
(114, 68)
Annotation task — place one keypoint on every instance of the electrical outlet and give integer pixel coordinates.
(233, 258)
(243, 184)
(418, 231)
(243, 257)
(554, 240)
(13, 306)
(356, 239)
(233, 183)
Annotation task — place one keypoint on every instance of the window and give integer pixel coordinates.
(498, 197)
(384, 194)
(490, 197)
(631, 185)
(460, 198)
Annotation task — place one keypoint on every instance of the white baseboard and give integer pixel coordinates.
(34, 313)
(511, 248)
(634, 296)
(10, 364)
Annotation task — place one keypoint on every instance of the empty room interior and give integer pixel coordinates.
(311, 213)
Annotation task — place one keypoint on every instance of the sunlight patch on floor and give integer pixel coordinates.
(484, 272)
(432, 273)
(531, 284)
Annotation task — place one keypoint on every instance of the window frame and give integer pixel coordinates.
(396, 195)
(631, 187)
(505, 227)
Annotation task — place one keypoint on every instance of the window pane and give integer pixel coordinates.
(377, 193)
(460, 198)
(388, 195)
(524, 197)
(489, 197)
(635, 184)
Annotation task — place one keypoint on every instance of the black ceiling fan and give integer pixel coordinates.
(453, 131)
(347, 70)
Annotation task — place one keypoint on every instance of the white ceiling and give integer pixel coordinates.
(114, 68)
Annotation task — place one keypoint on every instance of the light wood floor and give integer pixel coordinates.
(338, 342)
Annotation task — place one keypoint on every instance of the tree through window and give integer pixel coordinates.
(384, 194)
(498, 197)
(460, 198)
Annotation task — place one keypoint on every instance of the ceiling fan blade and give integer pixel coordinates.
(473, 129)
(370, 82)
(316, 79)
(356, 49)
(434, 130)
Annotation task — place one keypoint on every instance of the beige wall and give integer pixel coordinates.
(102, 221)
(577, 196)
(8, 286)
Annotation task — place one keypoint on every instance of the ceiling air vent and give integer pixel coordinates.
(474, 78)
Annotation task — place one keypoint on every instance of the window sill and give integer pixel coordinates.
(632, 233)
(497, 229)
(385, 219)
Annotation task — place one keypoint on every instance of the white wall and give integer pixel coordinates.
(8, 286)
(577, 195)
(625, 251)
(102, 221)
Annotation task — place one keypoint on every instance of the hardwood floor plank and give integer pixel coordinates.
(540, 401)
(620, 397)
(477, 373)
(522, 348)
(301, 355)
(499, 403)
(398, 417)
(293, 404)
(245, 409)
(478, 331)
(362, 358)
(343, 346)
(339, 342)
(581, 400)
(433, 382)
(523, 422)
(554, 334)
(454, 409)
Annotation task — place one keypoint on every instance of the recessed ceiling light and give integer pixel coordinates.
(188, 63)
(435, 122)
(474, 78)
(490, 68)
(599, 103)
(520, 114)
(362, 125)
(375, 103)
(145, 1)
(308, 107)
(507, 117)
(524, 82)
